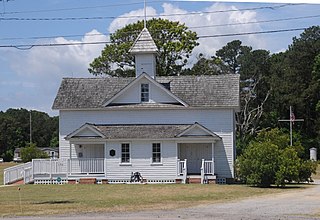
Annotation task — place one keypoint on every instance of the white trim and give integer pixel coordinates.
(125, 108)
(191, 139)
(83, 127)
(197, 125)
(135, 81)
(161, 159)
(149, 92)
(130, 155)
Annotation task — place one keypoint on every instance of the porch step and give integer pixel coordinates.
(192, 180)
(88, 181)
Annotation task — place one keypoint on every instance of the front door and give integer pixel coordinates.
(194, 153)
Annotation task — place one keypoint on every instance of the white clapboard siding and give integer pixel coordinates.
(145, 63)
(141, 154)
(156, 95)
(220, 121)
(223, 156)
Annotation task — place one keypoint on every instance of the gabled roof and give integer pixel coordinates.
(141, 131)
(218, 91)
(144, 43)
(91, 132)
(196, 126)
(151, 80)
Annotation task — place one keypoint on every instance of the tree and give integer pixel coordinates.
(205, 66)
(231, 55)
(174, 41)
(294, 81)
(32, 152)
(15, 130)
(269, 160)
(253, 67)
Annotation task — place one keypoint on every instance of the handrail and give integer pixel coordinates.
(69, 166)
(182, 169)
(207, 168)
(16, 173)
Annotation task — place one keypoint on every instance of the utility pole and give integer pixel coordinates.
(30, 121)
(291, 119)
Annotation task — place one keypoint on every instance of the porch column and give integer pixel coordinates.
(69, 161)
(105, 159)
(213, 162)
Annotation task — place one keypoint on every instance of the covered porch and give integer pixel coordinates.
(196, 162)
(111, 153)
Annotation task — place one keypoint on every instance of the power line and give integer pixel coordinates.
(91, 7)
(192, 27)
(252, 33)
(29, 46)
(138, 16)
(74, 8)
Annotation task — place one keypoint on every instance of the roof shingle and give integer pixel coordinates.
(140, 131)
(144, 43)
(197, 91)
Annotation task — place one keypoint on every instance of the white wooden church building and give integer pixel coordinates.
(169, 129)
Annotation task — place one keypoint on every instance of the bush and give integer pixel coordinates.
(306, 169)
(269, 160)
(31, 152)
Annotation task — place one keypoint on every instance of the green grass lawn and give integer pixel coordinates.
(62, 199)
(69, 199)
(2, 167)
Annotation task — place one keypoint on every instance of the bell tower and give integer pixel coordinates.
(145, 51)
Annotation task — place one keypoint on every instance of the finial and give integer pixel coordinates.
(145, 14)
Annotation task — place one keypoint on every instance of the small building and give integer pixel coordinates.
(17, 155)
(53, 152)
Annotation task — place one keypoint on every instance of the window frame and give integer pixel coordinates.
(125, 157)
(144, 92)
(156, 155)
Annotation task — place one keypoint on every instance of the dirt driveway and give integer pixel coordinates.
(300, 204)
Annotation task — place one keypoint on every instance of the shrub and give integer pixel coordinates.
(32, 152)
(269, 160)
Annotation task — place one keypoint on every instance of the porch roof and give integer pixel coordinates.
(141, 131)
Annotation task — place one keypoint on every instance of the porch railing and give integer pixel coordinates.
(87, 166)
(18, 172)
(182, 169)
(69, 166)
(49, 166)
(207, 168)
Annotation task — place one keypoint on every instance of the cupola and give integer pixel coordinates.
(145, 51)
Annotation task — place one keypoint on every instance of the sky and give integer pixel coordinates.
(30, 77)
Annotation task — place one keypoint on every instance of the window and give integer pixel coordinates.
(125, 153)
(144, 92)
(156, 153)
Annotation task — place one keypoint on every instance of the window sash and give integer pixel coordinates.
(144, 92)
(125, 153)
(156, 153)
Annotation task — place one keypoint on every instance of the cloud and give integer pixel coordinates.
(38, 71)
(208, 46)
(33, 76)
(53, 62)
(130, 17)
